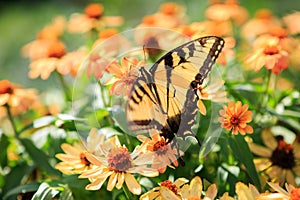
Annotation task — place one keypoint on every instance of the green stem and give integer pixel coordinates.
(11, 119)
(64, 86)
(128, 194)
(102, 90)
(265, 96)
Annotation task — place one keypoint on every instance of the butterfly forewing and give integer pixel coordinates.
(165, 97)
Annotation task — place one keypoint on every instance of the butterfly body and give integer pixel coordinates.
(165, 97)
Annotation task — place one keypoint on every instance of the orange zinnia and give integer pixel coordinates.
(235, 117)
(268, 53)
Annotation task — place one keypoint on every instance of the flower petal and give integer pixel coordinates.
(132, 184)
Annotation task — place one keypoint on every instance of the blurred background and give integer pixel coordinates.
(20, 20)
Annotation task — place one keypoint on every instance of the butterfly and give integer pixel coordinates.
(165, 97)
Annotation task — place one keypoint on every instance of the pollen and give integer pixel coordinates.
(279, 32)
(271, 50)
(94, 10)
(84, 160)
(119, 159)
(5, 87)
(160, 147)
(283, 155)
(234, 120)
(56, 50)
(295, 194)
(169, 8)
(168, 184)
(107, 33)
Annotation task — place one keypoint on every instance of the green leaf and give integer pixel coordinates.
(31, 187)
(38, 156)
(14, 177)
(66, 194)
(4, 143)
(45, 192)
(241, 151)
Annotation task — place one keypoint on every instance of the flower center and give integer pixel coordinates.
(234, 120)
(160, 147)
(170, 186)
(56, 50)
(5, 87)
(169, 8)
(119, 159)
(271, 50)
(94, 10)
(152, 46)
(149, 20)
(295, 194)
(84, 160)
(283, 155)
(279, 32)
(194, 198)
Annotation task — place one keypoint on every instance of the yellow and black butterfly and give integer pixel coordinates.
(165, 97)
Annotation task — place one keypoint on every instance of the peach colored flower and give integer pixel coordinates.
(246, 192)
(17, 98)
(92, 19)
(163, 154)
(291, 21)
(124, 75)
(114, 161)
(195, 188)
(74, 160)
(230, 10)
(279, 160)
(212, 92)
(263, 22)
(166, 190)
(268, 53)
(291, 193)
(45, 39)
(235, 117)
(59, 60)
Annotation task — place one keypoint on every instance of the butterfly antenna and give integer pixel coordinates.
(144, 51)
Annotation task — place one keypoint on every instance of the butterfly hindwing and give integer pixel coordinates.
(165, 98)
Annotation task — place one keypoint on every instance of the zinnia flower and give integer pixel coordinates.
(59, 60)
(235, 117)
(124, 75)
(195, 188)
(74, 160)
(114, 161)
(210, 92)
(17, 98)
(279, 160)
(291, 193)
(246, 192)
(291, 22)
(166, 190)
(269, 53)
(92, 18)
(163, 154)
(230, 10)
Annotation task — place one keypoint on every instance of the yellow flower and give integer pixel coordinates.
(74, 160)
(162, 153)
(245, 192)
(212, 92)
(125, 75)
(279, 160)
(235, 117)
(114, 161)
(193, 191)
(166, 191)
(291, 193)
